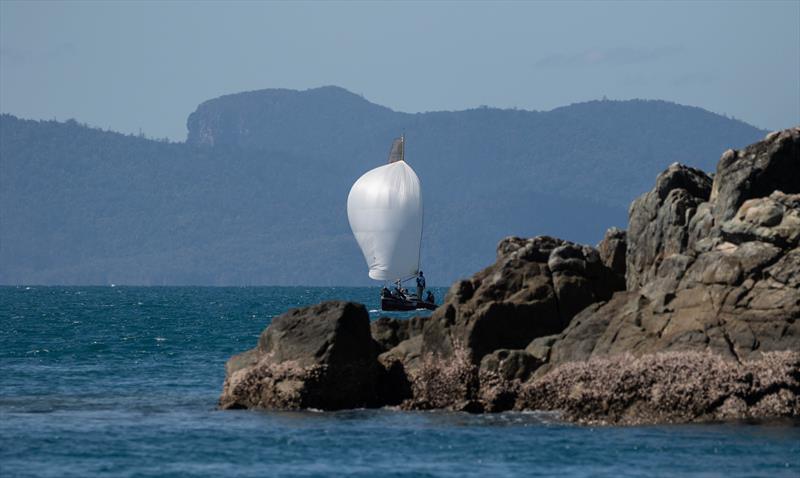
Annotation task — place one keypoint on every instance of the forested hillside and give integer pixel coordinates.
(257, 193)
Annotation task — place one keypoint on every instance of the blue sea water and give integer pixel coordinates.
(102, 381)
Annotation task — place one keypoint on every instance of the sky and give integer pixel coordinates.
(145, 66)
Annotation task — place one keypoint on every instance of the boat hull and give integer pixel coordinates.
(396, 303)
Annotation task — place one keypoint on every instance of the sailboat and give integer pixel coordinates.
(384, 208)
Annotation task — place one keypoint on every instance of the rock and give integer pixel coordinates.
(389, 332)
(755, 172)
(539, 348)
(407, 352)
(534, 288)
(725, 285)
(580, 278)
(670, 387)
(774, 219)
(702, 234)
(331, 333)
(500, 377)
(612, 250)
(314, 357)
(451, 384)
(708, 327)
(594, 331)
(510, 364)
(394, 386)
(658, 221)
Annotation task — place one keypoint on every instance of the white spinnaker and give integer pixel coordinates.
(385, 212)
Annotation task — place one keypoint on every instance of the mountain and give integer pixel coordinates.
(256, 195)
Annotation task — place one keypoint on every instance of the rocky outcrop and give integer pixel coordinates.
(756, 171)
(658, 222)
(613, 249)
(533, 289)
(729, 283)
(320, 357)
(668, 388)
(700, 321)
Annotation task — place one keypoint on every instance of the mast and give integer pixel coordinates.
(397, 152)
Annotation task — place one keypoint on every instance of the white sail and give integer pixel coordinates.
(385, 212)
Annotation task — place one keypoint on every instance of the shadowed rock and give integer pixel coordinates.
(510, 364)
(314, 357)
(390, 332)
(533, 289)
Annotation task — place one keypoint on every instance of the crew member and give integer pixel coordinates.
(420, 285)
(429, 298)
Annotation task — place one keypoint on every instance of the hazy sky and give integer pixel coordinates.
(126, 66)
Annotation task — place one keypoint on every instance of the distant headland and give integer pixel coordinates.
(261, 183)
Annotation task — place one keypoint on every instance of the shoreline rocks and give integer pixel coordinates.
(692, 314)
(671, 387)
(320, 357)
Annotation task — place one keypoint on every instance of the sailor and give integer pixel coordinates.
(420, 285)
(398, 291)
(429, 298)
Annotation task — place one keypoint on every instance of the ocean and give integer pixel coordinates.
(124, 381)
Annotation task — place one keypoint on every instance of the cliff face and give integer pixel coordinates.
(694, 314)
(271, 119)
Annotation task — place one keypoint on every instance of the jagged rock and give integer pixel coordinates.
(389, 332)
(712, 291)
(533, 290)
(757, 171)
(612, 250)
(702, 233)
(580, 278)
(729, 286)
(774, 219)
(314, 357)
(658, 221)
(727, 302)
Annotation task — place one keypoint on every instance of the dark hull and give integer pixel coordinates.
(395, 303)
